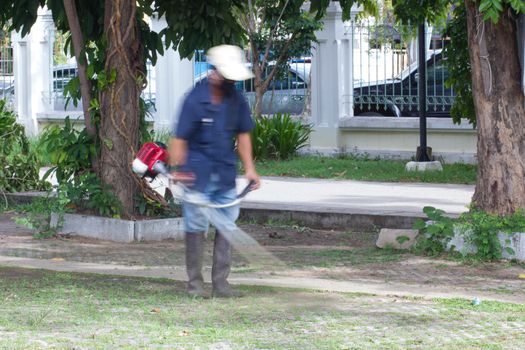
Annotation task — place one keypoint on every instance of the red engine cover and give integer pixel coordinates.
(150, 153)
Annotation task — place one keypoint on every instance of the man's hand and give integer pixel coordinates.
(251, 175)
(244, 147)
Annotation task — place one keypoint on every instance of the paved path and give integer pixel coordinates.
(359, 197)
(352, 197)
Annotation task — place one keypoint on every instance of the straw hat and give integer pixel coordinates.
(229, 62)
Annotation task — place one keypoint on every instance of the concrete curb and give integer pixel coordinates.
(23, 197)
(330, 220)
(95, 227)
(158, 230)
(117, 230)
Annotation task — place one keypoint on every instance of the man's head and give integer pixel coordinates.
(229, 62)
(216, 79)
(229, 66)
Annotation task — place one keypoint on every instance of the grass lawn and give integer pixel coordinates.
(41, 310)
(356, 168)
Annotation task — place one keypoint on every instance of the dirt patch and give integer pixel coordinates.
(9, 228)
(13, 272)
(295, 235)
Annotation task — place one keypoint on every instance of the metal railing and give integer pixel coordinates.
(385, 71)
(149, 94)
(62, 74)
(7, 78)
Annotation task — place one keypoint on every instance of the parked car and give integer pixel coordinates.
(7, 91)
(398, 97)
(286, 93)
(62, 74)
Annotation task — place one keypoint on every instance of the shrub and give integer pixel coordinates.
(436, 233)
(68, 149)
(482, 228)
(70, 152)
(19, 170)
(279, 137)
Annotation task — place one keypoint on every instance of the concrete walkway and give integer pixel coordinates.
(349, 197)
(357, 197)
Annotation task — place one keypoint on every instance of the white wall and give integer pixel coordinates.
(174, 79)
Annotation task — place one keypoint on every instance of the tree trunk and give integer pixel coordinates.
(499, 103)
(258, 71)
(259, 93)
(120, 101)
(85, 85)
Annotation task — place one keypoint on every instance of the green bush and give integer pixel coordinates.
(37, 214)
(480, 229)
(436, 233)
(69, 150)
(279, 137)
(42, 157)
(484, 229)
(19, 167)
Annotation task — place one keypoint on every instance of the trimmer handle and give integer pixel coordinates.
(247, 189)
(186, 178)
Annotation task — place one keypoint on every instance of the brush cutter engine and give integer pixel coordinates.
(151, 160)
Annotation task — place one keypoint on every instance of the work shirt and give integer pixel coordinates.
(210, 131)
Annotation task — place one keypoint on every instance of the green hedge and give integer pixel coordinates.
(279, 137)
(19, 167)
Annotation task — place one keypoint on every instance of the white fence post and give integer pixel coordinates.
(174, 78)
(33, 71)
(22, 74)
(332, 82)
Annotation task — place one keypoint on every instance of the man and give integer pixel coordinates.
(213, 115)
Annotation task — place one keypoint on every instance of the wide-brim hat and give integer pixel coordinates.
(229, 62)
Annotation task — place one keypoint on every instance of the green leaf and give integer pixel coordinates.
(510, 251)
(419, 224)
(402, 239)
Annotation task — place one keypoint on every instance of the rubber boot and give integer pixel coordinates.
(221, 268)
(194, 248)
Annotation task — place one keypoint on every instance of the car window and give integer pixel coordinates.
(437, 73)
(289, 81)
(296, 82)
(279, 83)
(246, 86)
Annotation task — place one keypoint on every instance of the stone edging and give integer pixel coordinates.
(514, 241)
(118, 230)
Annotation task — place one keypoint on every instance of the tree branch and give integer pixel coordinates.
(279, 60)
(272, 33)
